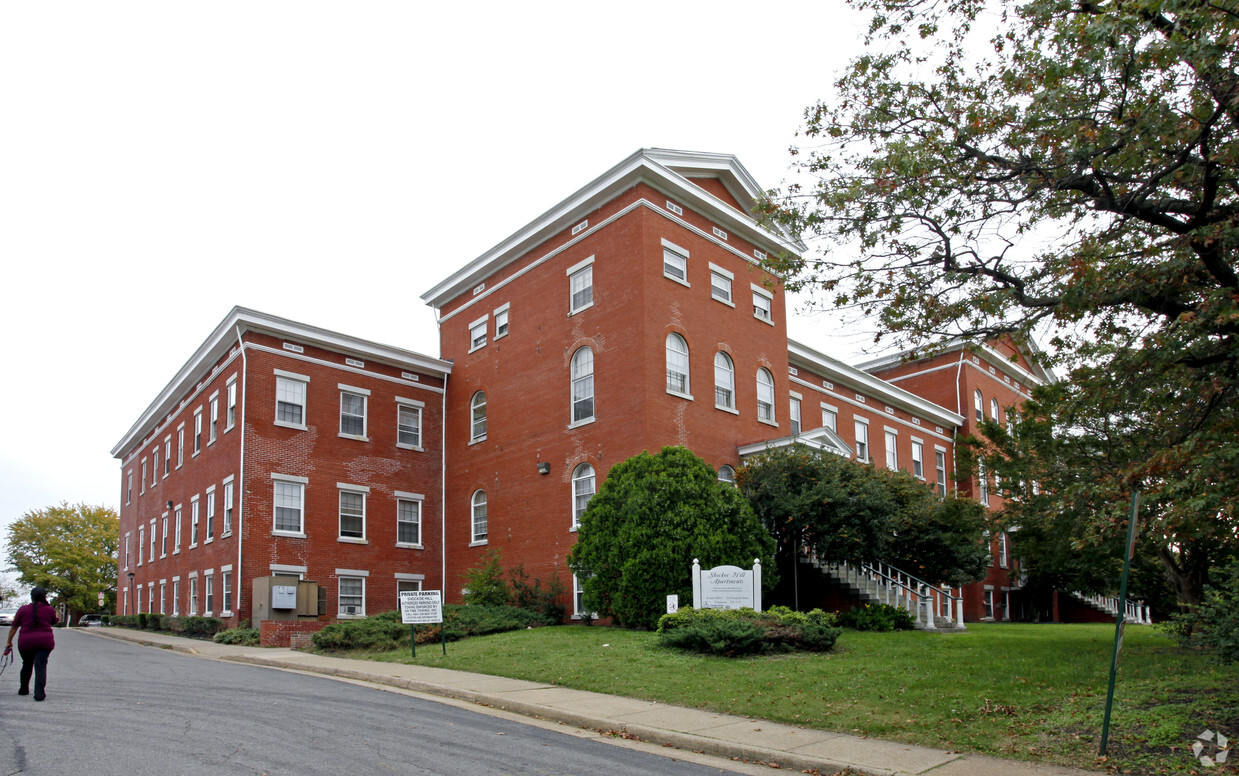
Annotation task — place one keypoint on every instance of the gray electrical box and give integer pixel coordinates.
(284, 598)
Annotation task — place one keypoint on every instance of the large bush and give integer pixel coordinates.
(1215, 623)
(878, 617)
(641, 531)
(737, 632)
(384, 632)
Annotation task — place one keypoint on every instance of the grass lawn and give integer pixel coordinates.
(1032, 692)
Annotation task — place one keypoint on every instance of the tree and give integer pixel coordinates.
(70, 550)
(641, 531)
(941, 540)
(1073, 175)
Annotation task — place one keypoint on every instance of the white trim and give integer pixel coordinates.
(354, 488)
(410, 402)
(290, 375)
(353, 389)
(580, 265)
(403, 577)
(351, 573)
(284, 569)
(290, 478)
(408, 496)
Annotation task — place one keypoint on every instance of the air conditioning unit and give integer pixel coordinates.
(350, 610)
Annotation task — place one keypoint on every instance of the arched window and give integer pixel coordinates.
(479, 516)
(582, 385)
(993, 410)
(765, 395)
(727, 474)
(478, 415)
(677, 365)
(724, 381)
(979, 404)
(582, 491)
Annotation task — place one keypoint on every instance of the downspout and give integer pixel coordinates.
(959, 372)
(443, 493)
(239, 490)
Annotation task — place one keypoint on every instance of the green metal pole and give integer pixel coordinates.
(413, 638)
(1121, 620)
(443, 636)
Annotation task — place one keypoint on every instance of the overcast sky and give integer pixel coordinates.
(326, 162)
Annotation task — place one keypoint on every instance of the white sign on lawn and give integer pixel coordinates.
(421, 607)
(727, 587)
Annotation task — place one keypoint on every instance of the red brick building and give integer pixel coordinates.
(632, 315)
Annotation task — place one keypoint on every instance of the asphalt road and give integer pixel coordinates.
(119, 708)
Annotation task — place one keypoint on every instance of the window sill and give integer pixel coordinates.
(225, 614)
(351, 540)
(289, 534)
(229, 428)
(414, 448)
(478, 441)
(674, 279)
(688, 396)
(477, 348)
(774, 423)
(764, 320)
(479, 542)
(727, 302)
(286, 424)
(208, 541)
(725, 408)
(358, 437)
(193, 546)
(580, 309)
(350, 616)
(407, 546)
(177, 551)
(225, 535)
(582, 422)
(501, 336)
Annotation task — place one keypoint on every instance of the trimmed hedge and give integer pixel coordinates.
(197, 627)
(878, 617)
(384, 632)
(736, 632)
(245, 637)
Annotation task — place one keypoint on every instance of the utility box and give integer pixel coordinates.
(284, 598)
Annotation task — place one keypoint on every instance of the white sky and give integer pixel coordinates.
(326, 162)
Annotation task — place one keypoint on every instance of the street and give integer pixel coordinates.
(118, 708)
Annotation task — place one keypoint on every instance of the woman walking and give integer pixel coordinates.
(35, 621)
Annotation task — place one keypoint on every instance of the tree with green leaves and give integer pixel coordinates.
(70, 550)
(1068, 168)
(641, 531)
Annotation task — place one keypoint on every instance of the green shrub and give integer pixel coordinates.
(245, 637)
(729, 637)
(878, 617)
(124, 620)
(485, 585)
(1215, 623)
(384, 631)
(527, 594)
(728, 631)
(197, 626)
(378, 634)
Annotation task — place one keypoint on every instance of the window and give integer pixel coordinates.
(1002, 549)
(180, 445)
(290, 401)
(727, 474)
(128, 549)
(141, 542)
(225, 603)
(989, 604)
(761, 304)
(979, 405)
(578, 599)
(208, 589)
(151, 556)
(918, 459)
(176, 596)
(352, 600)
(501, 322)
(210, 517)
(830, 417)
(176, 547)
(198, 431)
(193, 521)
(993, 410)
(143, 480)
(138, 590)
(163, 539)
(129, 487)
(214, 420)
(408, 521)
(155, 467)
(582, 491)
(167, 456)
(477, 334)
(193, 594)
(581, 286)
(230, 419)
(353, 412)
(724, 382)
(982, 483)
(163, 595)
(479, 516)
(892, 455)
(765, 395)
(409, 425)
(675, 262)
(582, 369)
(677, 365)
(720, 284)
(352, 514)
(794, 414)
(228, 506)
(862, 440)
(940, 466)
(477, 410)
(289, 502)
(406, 586)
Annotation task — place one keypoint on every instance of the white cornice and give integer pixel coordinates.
(1040, 376)
(863, 382)
(669, 172)
(241, 320)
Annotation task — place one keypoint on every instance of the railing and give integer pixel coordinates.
(1134, 611)
(899, 588)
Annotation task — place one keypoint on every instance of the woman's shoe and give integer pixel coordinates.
(23, 691)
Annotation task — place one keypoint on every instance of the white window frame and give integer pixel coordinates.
(151, 557)
(194, 515)
(477, 418)
(765, 397)
(978, 404)
(163, 539)
(142, 481)
(830, 417)
(228, 506)
(675, 262)
(678, 382)
(479, 537)
(178, 519)
(584, 486)
(581, 388)
(727, 474)
(862, 439)
(407, 583)
(982, 483)
(167, 456)
(350, 576)
(1002, 549)
(155, 466)
(350, 490)
(724, 382)
(163, 595)
(413, 428)
(208, 593)
(292, 486)
(141, 541)
(180, 445)
(416, 500)
(581, 286)
(213, 432)
(230, 413)
(193, 594)
(129, 488)
(353, 392)
(210, 515)
(501, 320)
(197, 431)
(763, 304)
(176, 596)
(891, 440)
(721, 281)
(993, 409)
(918, 458)
(287, 387)
(578, 601)
(477, 333)
(225, 591)
(793, 409)
(940, 470)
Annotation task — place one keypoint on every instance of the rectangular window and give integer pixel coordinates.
(231, 418)
(151, 555)
(762, 304)
(167, 456)
(290, 401)
(352, 597)
(198, 431)
(918, 459)
(193, 521)
(208, 589)
(180, 445)
(352, 515)
(1002, 549)
(289, 500)
(176, 596)
(141, 542)
(406, 586)
(129, 487)
(177, 544)
(138, 591)
(128, 537)
(193, 594)
(155, 467)
(830, 418)
(408, 426)
(720, 284)
(210, 517)
(982, 483)
(163, 541)
(795, 415)
(940, 468)
(477, 334)
(227, 508)
(862, 440)
(581, 286)
(143, 480)
(163, 596)
(214, 420)
(675, 262)
(352, 414)
(892, 455)
(225, 592)
(501, 322)
(989, 604)
(408, 521)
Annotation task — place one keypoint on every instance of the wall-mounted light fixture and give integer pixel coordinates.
(169, 506)
(544, 467)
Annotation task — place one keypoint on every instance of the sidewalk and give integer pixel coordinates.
(788, 746)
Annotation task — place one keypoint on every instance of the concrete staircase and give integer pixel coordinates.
(932, 607)
(1136, 611)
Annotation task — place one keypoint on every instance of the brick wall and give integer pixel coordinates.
(289, 633)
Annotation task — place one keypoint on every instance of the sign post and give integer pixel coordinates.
(422, 607)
